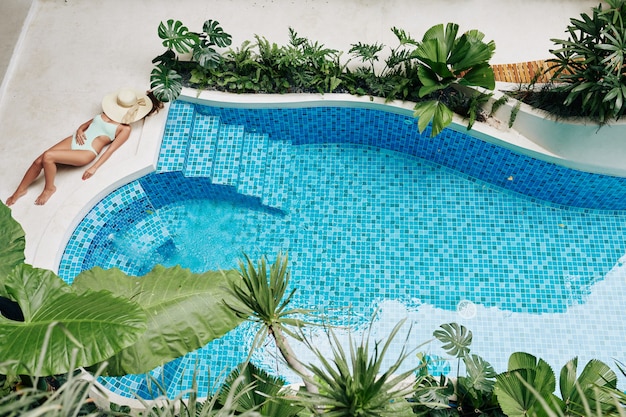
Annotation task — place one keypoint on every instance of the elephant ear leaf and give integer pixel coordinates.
(12, 242)
(58, 321)
(186, 309)
(456, 339)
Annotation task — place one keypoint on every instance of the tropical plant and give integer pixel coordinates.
(527, 388)
(471, 394)
(268, 395)
(182, 307)
(106, 314)
(590, 63)
(353, 383)
(106, 324)
(261, 300)
(165, 79)
(445, 60)
(396, 80)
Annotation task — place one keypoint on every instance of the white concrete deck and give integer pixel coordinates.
(69, 53)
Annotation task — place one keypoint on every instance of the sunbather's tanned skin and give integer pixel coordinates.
(85, 145)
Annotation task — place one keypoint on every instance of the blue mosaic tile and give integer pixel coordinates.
(228, 155)
(202, 147)
(253, 165)
(278, 175)
(176, 136)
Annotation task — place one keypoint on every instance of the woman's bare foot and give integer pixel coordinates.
(16, 195)
(45, 195)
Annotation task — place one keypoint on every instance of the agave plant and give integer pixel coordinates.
(590, 63)
(268, 395)
(446, 60)
(353, 383)
(261, 299)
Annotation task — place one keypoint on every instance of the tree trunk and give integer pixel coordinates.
(290, 358)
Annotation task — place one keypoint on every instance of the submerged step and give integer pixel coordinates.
(202, 144)
(228, 155)
(176, 137)
(253, 159)
(278, 174)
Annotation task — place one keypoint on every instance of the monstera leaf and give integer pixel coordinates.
(12, 242)
(58, 320)
(185, 312)
(456, 339)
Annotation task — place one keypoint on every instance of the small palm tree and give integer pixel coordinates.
(352, 384)
(262, 300)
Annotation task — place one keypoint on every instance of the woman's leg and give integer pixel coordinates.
(75, 158)
(51, 158)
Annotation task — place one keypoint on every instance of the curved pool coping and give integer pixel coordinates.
(49, 249)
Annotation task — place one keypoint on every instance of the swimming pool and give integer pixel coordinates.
(374, 216)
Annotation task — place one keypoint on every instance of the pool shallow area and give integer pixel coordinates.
(375, 218)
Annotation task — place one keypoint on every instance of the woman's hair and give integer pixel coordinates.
(156, 103)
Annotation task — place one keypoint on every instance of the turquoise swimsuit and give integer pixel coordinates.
(98, 127)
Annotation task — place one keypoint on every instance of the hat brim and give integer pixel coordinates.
(116, 112)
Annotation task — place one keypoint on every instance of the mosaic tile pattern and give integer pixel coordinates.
(179, 124)
(457, 150)
(228, 155)
(201, 147)
(253, 159)
(367, 220)
(278, 175)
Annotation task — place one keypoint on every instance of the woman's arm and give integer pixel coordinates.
(80, 132)
(121, 136)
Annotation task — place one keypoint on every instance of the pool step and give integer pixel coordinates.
(201, 145)
(253, 158)
(179, 124)
(278, 174)
(228, 155)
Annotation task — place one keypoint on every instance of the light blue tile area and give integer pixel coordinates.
(202, 146)
(278, 174)
(228, 155)
(176, 136)
(253, 158)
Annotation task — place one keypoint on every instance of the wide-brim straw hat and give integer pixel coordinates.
(126, 105)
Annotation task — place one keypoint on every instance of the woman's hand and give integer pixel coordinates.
(80, 136)
(89, 173)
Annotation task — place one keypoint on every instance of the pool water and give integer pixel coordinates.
(371, 231)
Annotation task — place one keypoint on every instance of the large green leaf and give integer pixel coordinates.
(576, 391)
(185, 311)
(432, 111)
(12, 242)
(176, 36)
(455, 337)
(165, 83)
(98, 324)
(511, 387)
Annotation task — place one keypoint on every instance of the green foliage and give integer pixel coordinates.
(176, 36)
(444, 60)
(456, 339)
(590, 63)
(184, 308)
(13, 241)
(412, 70)
(55, 313)
(267, 394)
(353, 383)
(263, 299)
